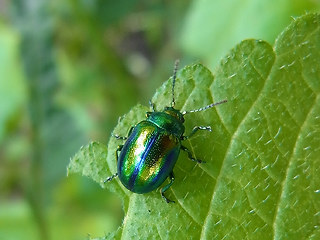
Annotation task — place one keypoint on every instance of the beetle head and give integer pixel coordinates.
(174, 113)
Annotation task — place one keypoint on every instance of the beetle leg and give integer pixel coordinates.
(166, 187)
(130, 131)
(152, 106)
(122, 138)
(190, 155)
(195, 129)
(118, 137)
(119, 148)
(110, 178)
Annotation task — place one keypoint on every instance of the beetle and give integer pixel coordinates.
(152, 148)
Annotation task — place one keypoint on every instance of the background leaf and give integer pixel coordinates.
(231, 21)
(12, 90)
(261, 176)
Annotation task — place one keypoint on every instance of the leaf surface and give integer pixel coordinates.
(261, 176)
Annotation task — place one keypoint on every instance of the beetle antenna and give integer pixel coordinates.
(174, 81)
(204, 108)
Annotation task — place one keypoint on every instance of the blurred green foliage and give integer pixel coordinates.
(69, 69)
(230, 21)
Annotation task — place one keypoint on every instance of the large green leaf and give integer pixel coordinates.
(261, 177)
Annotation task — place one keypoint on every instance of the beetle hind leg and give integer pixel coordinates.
(166, 187)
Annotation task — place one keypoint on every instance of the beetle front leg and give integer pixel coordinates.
(119, 148)
(119, 137)
(151, 104)
(166, 187)
(195, 129)
(123, 138)
(190, 155)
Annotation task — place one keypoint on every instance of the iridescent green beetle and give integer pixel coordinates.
(152, 148)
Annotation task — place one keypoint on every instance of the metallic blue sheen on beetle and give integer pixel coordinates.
(152, 148)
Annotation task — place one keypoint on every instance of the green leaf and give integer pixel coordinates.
(261, 176)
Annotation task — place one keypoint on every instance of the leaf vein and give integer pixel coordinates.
(284, 183)
(181, 205)
(202, 235)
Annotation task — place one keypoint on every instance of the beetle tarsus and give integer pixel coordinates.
(110, 178)
(166, 187)
(167, 199)
(119, 137)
